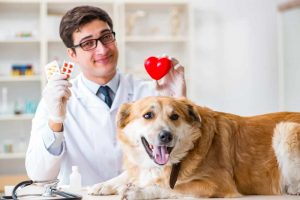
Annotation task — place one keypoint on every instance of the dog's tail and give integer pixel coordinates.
(286, 144)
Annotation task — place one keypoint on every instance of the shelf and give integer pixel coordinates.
(19, 78)
(59, 7)
(155, 39)
(78, 1)
(19, 1)
(55, 40)
(158, 2)
(139, 39)
(19, 40)
(12, 156)
(21, 117)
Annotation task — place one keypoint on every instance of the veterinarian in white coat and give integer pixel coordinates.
(72, 125)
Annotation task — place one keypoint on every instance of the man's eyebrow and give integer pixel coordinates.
(105, 30)
(86, 37)
(91, 36)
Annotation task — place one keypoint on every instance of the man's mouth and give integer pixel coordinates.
(103, 60)
(160, 154)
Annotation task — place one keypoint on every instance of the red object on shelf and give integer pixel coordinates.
(157, 67)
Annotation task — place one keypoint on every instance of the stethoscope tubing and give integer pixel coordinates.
(65, 195)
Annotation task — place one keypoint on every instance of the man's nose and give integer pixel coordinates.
(101, 48)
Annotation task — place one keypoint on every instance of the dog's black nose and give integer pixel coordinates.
(165, 137)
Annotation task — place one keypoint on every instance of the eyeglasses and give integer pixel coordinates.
(105, 39)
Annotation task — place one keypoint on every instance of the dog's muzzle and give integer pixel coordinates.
(159, 153)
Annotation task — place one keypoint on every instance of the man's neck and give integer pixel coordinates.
(101, 80)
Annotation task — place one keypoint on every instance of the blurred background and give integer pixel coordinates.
(240, 56)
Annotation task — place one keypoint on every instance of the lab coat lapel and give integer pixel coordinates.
(124, 93)
(87, 97)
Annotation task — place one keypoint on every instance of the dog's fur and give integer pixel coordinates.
(220, 154)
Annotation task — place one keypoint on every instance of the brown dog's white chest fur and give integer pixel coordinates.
(220, 154)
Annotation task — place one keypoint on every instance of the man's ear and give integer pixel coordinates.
(72, 54)
(123, 115)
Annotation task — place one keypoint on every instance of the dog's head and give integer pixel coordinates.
(163, 128)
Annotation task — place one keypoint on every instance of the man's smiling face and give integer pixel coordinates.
(99, 64)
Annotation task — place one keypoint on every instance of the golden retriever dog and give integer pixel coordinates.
(173, 149)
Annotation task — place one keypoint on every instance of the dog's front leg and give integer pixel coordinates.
(111, 187)
(133, 192)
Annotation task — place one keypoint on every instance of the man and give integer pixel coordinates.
(75, 122)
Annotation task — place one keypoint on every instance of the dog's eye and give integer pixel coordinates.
(148, 115)
(174, 117)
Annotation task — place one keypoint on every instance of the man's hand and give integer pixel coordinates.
(56, 95)
(173, 83)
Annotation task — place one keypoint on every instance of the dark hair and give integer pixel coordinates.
(77, 17)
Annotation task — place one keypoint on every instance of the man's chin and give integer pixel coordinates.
(107, 74)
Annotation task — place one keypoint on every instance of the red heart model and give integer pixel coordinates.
(157, 68)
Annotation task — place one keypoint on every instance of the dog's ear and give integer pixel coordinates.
(193, 113)
(123, 114)
(191, 110)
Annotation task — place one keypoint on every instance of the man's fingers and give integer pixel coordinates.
(157, 86)
(174, 61)
(58, 83)
(62, 94)
(177, 66)
(58, 93)
(68, 93)
(179, 70)
(56, 77)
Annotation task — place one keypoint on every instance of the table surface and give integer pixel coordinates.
(34, 190)
(286, 197)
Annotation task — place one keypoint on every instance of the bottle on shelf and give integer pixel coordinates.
(75, 180)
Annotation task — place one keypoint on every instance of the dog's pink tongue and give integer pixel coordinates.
(160, 154)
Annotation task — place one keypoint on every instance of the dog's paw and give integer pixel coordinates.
(131, 192)
(233, 195)
(101, 189)
(294, 190)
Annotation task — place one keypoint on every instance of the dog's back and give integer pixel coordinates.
(260, 153)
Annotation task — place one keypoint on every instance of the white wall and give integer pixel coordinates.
(235, 50)
(290, 65)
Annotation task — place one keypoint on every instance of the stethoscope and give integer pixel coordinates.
(50, 191)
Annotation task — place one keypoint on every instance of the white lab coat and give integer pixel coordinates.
(89, 135)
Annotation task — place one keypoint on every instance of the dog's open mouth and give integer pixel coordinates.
(160, 154)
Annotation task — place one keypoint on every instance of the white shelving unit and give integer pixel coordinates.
(156, 28)
(18, 47)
